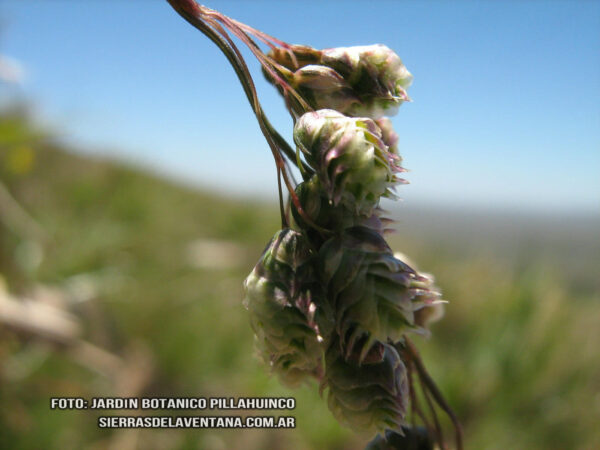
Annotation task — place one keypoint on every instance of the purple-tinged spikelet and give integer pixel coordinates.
(282, 297)
(351, 161)
(368, 394)
(374, 295)
(358, 81)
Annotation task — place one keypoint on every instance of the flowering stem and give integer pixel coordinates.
(197, 16)
(438, 429)
(427, 382)
(192, 12)
(349, 162)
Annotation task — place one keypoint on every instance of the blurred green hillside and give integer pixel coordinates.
(150, 273)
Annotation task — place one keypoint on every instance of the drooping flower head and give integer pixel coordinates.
(328, 298)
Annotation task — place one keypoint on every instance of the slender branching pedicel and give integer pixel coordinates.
(328, 299)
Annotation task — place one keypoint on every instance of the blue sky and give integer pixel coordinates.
(506, 94)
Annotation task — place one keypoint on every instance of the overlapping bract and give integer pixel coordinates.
(366, 81)
(352, 163)
(389, 136)
(323, 213)
(372, 293)
(280, 296)
(368, 394)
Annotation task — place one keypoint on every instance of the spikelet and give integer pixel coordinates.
(351, 161)
(368, 395)
(374, 295)
(282, 297)
(324, 214)
(358, 81)
(376, 73)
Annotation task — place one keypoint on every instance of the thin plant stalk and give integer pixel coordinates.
(193, 13)
(430, 385)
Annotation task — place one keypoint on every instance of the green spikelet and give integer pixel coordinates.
(376, 73)
(369, 395)
(351, 161)
(373, 294)
(324, 214)
(368, 81)
(282, 296)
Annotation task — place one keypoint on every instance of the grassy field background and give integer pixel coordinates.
(152, 272)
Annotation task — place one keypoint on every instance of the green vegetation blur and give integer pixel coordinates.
(115, 282)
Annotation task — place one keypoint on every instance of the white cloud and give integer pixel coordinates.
(11, 70)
